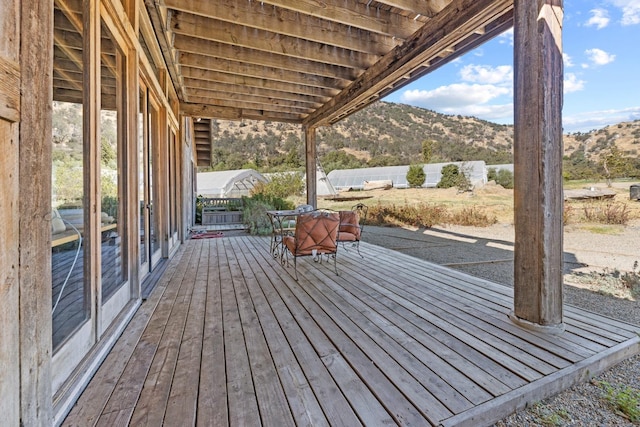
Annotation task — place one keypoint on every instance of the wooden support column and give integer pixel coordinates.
(310, 164)
(538, 165)
(36, 88)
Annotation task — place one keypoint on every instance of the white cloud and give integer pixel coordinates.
(630, 11)
(572, 83)
(599, 18)
(485, 74)
(454, 96)
(567, 60)
(506, 37)
(598, 57)
(584, 122)
(475, 95)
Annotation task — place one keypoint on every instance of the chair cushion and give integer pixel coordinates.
(349, 224)
(316, 231)
(344, 236)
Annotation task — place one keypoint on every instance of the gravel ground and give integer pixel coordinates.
(589, 259)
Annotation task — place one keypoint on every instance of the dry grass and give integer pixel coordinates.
(497, 202)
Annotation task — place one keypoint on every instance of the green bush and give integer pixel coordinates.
(255, 209)
(504, 177)
(416, 176)
(453, 177)
(282, 185)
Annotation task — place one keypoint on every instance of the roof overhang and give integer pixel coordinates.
(308, 62)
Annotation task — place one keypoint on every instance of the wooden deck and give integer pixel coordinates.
(228, 337)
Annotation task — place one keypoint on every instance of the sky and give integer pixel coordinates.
(601, 50)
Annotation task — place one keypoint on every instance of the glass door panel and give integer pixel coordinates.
(148, 124)
(70, 291)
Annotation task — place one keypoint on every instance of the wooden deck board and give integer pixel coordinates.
(230, 338)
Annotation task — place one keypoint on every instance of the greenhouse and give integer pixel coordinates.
(233, 183)
(344, 179)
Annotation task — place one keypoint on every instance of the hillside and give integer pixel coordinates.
(392, 134)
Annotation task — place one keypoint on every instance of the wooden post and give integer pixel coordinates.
(36, 88)
(310, 164)
(538, 165)
(9, 200)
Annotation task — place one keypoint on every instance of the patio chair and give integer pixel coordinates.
(315, 235)
(351, 226)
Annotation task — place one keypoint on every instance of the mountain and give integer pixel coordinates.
(387, 134)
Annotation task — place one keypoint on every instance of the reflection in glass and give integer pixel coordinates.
(70, 292)
(111, 185)
(142, 134)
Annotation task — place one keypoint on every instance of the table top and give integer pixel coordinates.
(291, 212)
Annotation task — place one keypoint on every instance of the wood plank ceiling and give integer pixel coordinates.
(311, 62)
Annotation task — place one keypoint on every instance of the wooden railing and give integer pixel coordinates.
(217, 211)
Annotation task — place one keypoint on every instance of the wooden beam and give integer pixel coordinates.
(204, 28)
(254, 15)
(310, 165)
(427, 8)
(210, 68)
(34, 242)
(314, 101)
(246, 81)
(222, 100)
(538, 150)
(231, 113)
(458, 19)
(357, 15)
(266, 59)
(204, 89)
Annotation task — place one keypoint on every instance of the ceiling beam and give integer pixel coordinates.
(266, 59)
(357, 15)
(254, 83)
(226, 33)
(312, 101)
(230, 113)
(253, 14)
(445, 30)
(428, 8)
(197, 66)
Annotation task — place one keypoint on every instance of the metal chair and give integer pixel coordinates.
(315, 235)
(352, 225)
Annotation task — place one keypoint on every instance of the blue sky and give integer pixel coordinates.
(601, 45)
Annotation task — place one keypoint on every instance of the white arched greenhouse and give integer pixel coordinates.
(228, 184)
(344, 179)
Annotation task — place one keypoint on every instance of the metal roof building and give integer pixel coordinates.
(342, 179)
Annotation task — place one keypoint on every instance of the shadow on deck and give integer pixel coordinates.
(229, 338)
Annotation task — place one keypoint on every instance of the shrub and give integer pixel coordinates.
(425, 215)
(453, 177)
(282, 185)
(610, 213)
(492, 175)
(421, 215)
(255, 212)
(504, 177)
(416, 176)
(450, 176)
(471, 216)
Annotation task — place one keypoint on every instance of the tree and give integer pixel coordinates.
(615, 165)
(416, 175)
(427, 150)
(452, 177)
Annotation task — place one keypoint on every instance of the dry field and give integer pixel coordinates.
(495, 201)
